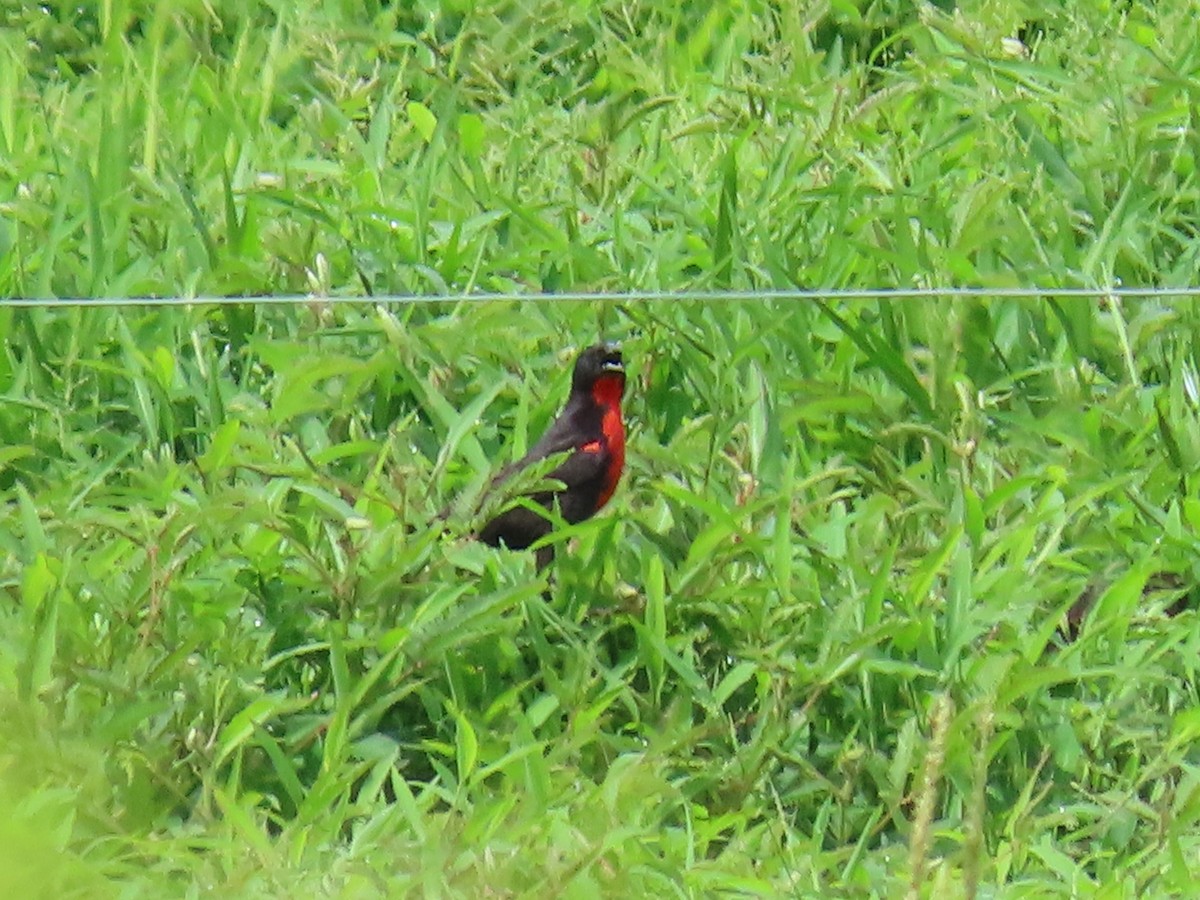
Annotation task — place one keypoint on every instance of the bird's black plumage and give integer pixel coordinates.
(590, 429)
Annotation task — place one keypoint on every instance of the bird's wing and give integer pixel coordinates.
(581, 474)
(585, 466)
(563, 434)
(560, 437)
(582, 467)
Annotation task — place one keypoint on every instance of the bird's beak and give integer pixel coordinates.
(613, 361)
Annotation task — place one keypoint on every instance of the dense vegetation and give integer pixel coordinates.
(813, 646)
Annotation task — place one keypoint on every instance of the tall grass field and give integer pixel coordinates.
(821, 642)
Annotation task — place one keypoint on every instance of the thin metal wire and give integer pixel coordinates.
(618, 297)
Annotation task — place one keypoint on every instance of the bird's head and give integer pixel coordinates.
(600, 367)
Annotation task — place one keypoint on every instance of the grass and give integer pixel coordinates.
(811, 648)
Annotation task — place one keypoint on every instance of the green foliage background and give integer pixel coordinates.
(809, 650)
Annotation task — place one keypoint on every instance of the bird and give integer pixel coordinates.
(592, 430)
